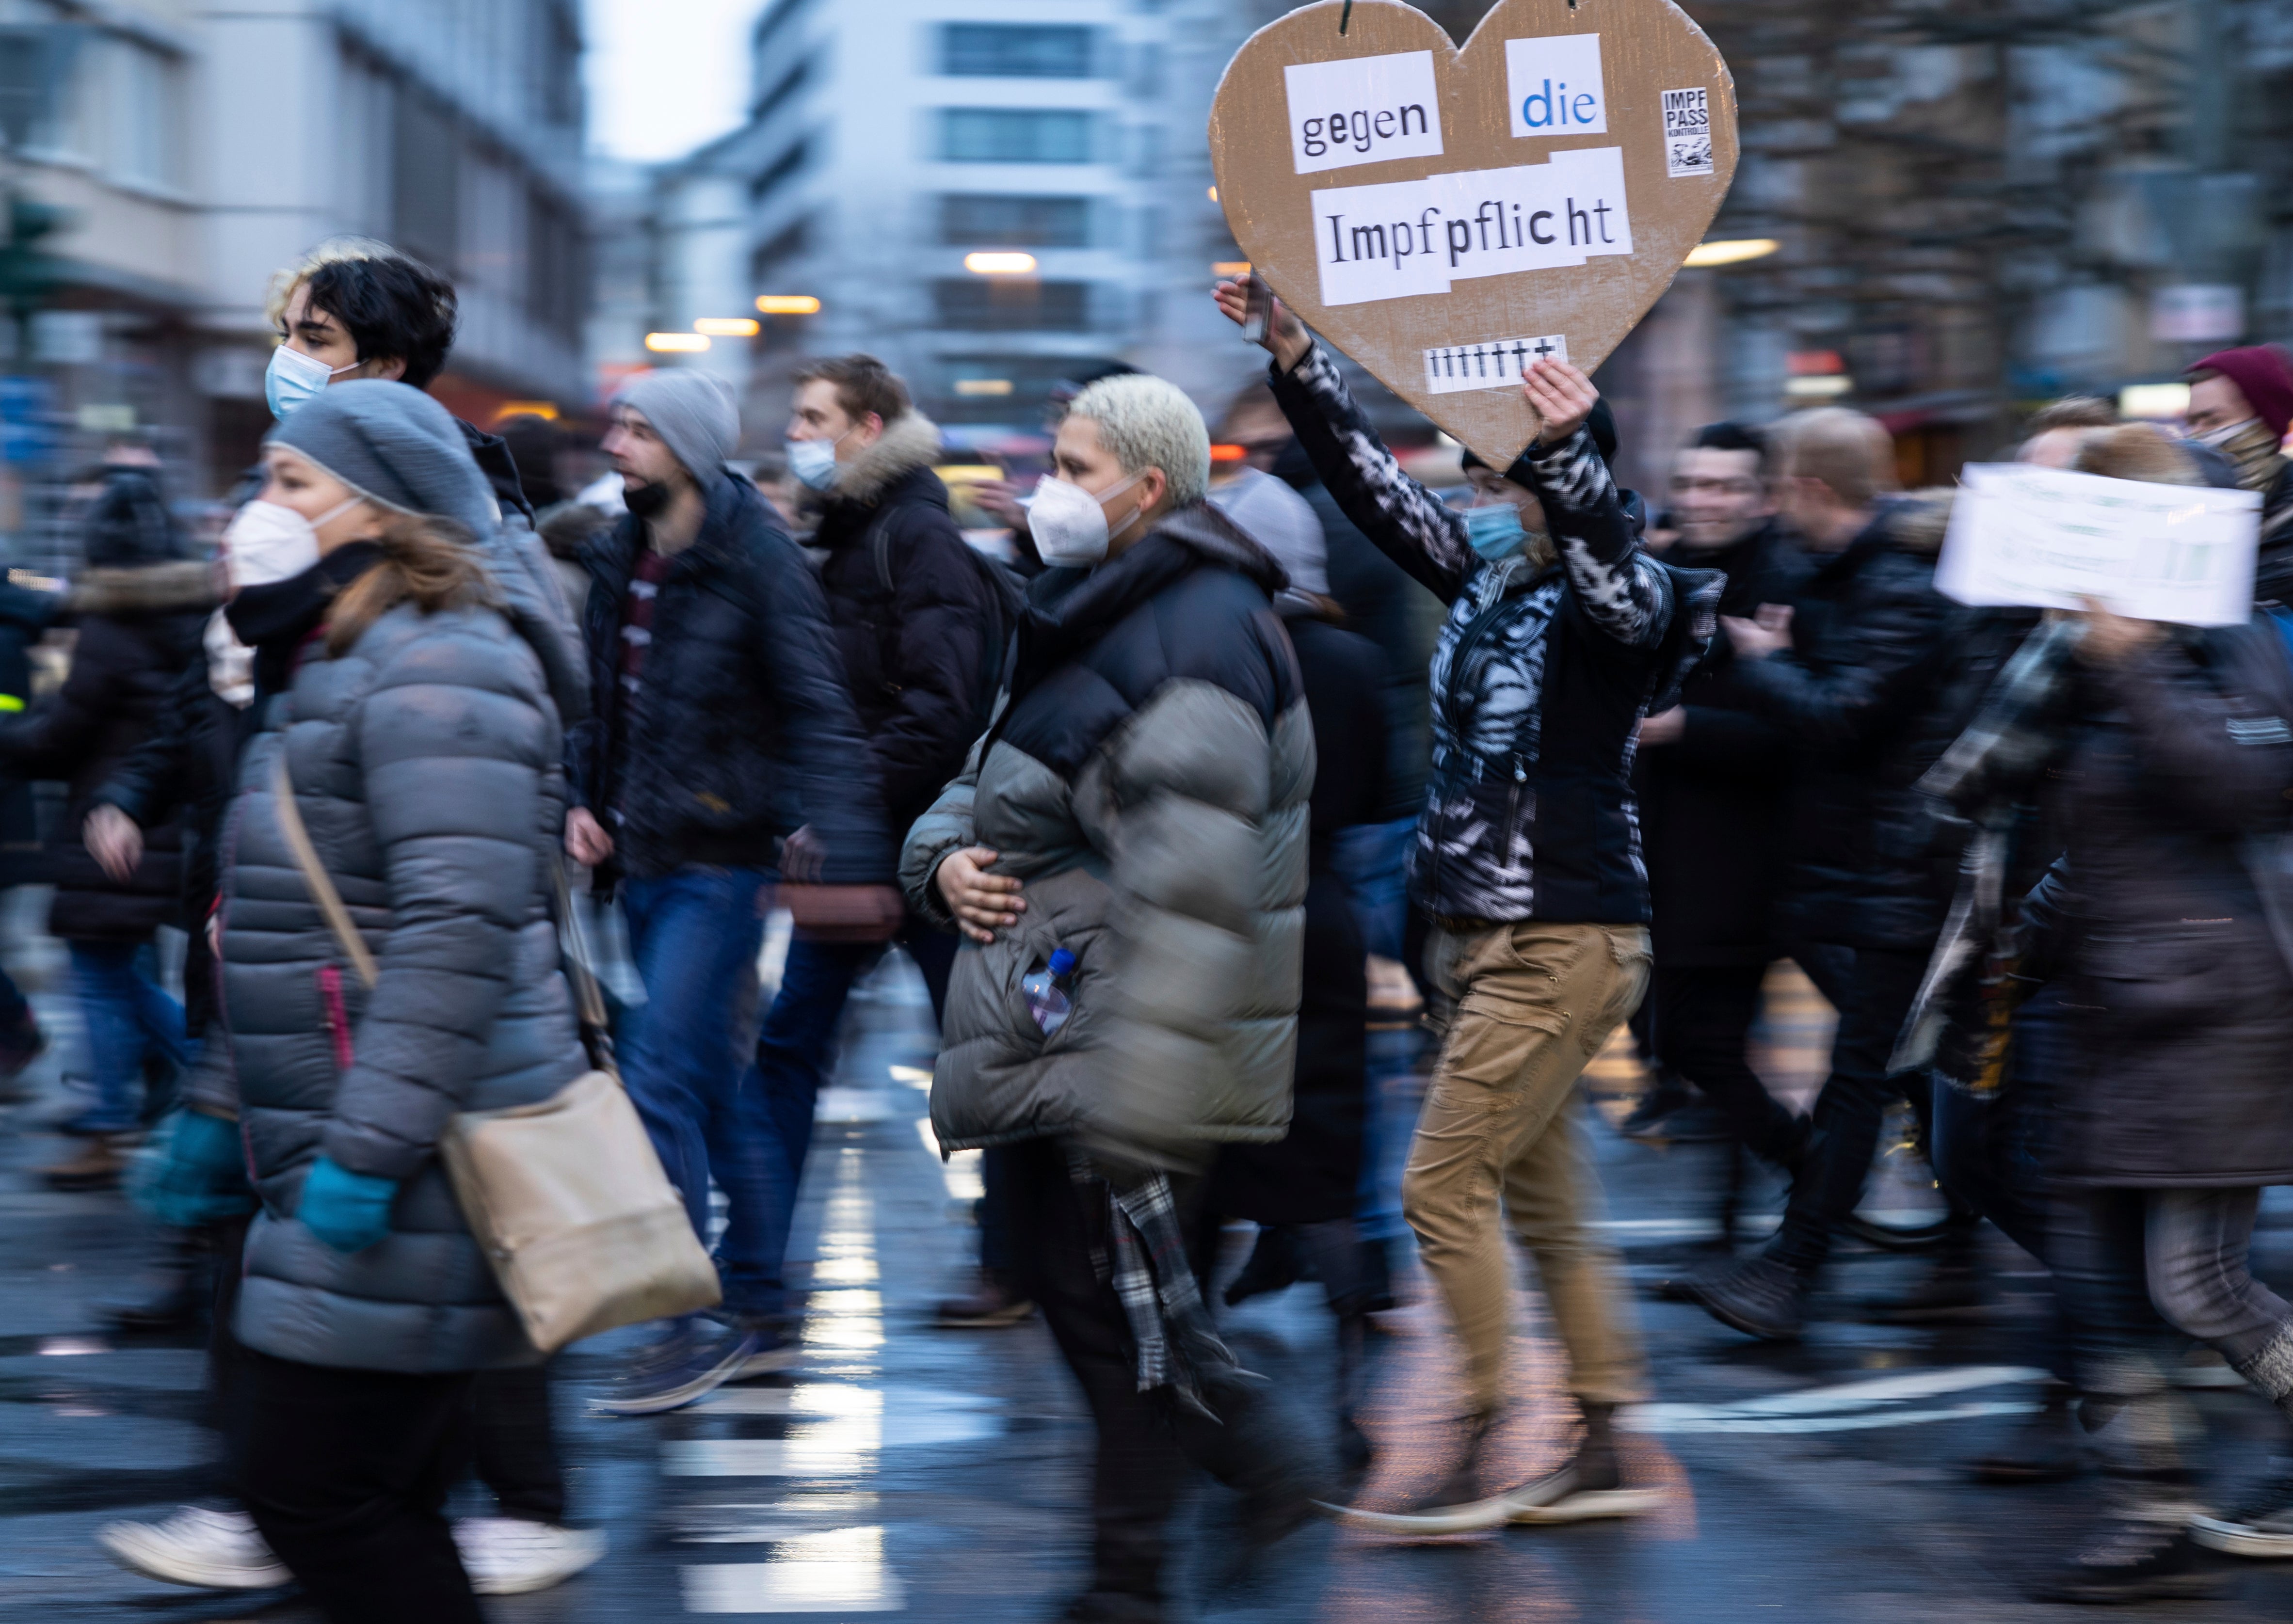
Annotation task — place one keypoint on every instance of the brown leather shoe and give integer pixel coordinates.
(998, 1303)
(102, 1158)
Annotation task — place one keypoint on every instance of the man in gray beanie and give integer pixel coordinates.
(721, 724)
(694, 414)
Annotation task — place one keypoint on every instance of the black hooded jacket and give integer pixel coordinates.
(920, 615)
(1861, 694)
(742, 730)
(139, 626)
(1712, 802)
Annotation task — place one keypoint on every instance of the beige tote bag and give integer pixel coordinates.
(584, 1230)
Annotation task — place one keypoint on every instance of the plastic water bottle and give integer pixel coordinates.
(1046, 992)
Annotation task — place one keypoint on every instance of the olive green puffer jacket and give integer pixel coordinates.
(1147, 780)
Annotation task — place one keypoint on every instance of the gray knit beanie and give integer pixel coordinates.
(396, 446)
(696, 414)
(1281, 521)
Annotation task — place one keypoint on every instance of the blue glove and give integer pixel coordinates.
(349, 1211)
(193, 1173)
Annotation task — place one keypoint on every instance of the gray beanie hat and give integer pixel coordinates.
(1281, 521)
(696, 414)
(396, 446)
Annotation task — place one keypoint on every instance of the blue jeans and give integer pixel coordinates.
(694, 934)
(129, 1017)
(795, 1050)
(1372, 859)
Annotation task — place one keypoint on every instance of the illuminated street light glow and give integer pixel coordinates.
(1230, 267)
(788, 305)
(677, 343)
(2154, 402)
(1729, 251)
(999, 264)
(983, 386)
(728, 326)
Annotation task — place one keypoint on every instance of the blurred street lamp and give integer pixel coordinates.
(1729, 251)
(675, 343)
(788, 305)
(999, 264)
(2154, 402)
(728, 326)
(983, 386)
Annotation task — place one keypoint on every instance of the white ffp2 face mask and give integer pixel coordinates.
(1068, 524)
(268, 541)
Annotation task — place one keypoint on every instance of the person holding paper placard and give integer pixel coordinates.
(1528, 860)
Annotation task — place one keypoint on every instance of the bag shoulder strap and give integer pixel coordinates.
(314, 872)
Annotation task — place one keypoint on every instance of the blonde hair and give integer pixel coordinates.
(1850, 453)
(1146, 421)
(427, 560)
(2137, 451)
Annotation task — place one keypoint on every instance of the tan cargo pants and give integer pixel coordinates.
(1534, 1002)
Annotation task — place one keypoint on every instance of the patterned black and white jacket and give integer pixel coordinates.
(1541, 676)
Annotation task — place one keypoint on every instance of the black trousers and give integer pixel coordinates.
(1144, 1446)
(345, 1473)
(1872, 998)
(1704, 1019)
(513, 1441)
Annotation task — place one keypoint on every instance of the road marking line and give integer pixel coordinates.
(1843, 1407)
(841, 1569)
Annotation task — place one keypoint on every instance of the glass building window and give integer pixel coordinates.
(1014, 135)
(1015, 51)
(974, 219)
(1003, 304)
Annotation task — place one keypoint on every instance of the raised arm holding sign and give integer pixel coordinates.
(1450, 218)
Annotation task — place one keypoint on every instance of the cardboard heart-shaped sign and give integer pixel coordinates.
(1447, 217)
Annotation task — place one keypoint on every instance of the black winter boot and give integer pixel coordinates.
(167, 1294)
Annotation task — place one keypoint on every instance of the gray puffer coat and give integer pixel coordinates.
(1147, 781)
(425, 764)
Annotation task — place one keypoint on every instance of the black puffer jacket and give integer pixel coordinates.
(1148, 784)
(2175, 802)
(1860, 694)
(181, 776)
(1712, 802)
(918, 613)
(139, 626)
(742, 730)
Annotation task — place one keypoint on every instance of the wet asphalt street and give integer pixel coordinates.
(941, 1475)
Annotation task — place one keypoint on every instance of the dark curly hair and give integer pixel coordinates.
(395, 308)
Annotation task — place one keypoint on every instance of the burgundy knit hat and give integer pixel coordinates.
(2263, 376)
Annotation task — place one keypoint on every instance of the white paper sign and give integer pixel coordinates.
(1494, 363)
(2045, 538)
(1554, 86)
(1687, 131)
(1417, 236)
(1363, 109)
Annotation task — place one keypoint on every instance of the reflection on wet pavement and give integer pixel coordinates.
(902, 1470)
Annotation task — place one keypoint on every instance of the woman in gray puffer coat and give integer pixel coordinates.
(422, 739)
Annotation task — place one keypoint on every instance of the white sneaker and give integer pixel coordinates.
(214, 1550)
(509, 1556)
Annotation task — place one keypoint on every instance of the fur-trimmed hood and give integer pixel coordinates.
(146, 589)
(909, 441)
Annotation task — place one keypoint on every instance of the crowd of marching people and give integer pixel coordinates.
(1184, 812)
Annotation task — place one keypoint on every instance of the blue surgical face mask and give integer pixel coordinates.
(1496, 532)
(814, 461)
(293, 378)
